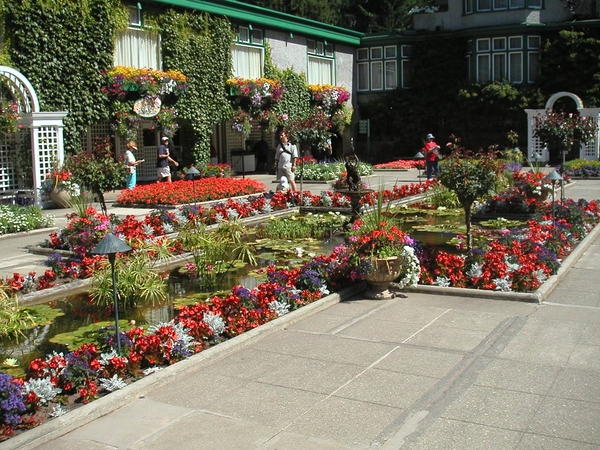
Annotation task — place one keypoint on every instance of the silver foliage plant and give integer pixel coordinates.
(43, 388)
(112, 384)
(215, 322)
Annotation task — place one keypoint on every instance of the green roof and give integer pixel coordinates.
(268, 18)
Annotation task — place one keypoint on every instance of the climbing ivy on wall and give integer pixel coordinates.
(62, 46)
(199, 46)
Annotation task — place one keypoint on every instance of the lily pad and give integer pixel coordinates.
(86, 334)
(43, 314)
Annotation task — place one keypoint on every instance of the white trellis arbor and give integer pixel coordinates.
(534, 145)
(40, 139)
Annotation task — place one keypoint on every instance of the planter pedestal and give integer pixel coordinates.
(60, 197)
(385, 270)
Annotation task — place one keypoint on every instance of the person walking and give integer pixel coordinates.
(162, 161)
(432, 156)
(286, 156)
(131, 164)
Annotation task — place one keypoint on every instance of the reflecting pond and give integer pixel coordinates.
(79, 311)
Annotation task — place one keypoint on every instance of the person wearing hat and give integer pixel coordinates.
(162, 161)
(432, 156)
(131, 164)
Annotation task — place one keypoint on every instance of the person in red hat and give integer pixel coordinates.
(432, 156)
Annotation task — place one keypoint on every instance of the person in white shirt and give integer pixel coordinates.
(131, 164)
(286, 157)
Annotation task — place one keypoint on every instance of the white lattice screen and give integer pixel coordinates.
(101, 129)
(590, 151)
(536, 146)
(235, 140)
(145, 171)
(47, 150)
(7, 170)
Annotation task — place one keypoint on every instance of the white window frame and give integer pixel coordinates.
(499, 44)
(484, 8)
(376, 75)
(500, 5)
(483, 45)
(135, 13)
(318, 73)
(517, 77)
(532, 77)
(516, 4)
(469, 6)
(319, 55)
(138, 48)
(257, 36)
(245, 64)
(244, 35)
(499, 64)
(376, 52)
(391, 74)
(407, 73)
(484, 77)
(389, 52)
(362, 54)
(532, 45)
(515, 42)
(363, 82)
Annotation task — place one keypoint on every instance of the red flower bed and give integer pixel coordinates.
(181, 192)
(402, 164)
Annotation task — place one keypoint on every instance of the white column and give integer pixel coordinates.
(47, 144)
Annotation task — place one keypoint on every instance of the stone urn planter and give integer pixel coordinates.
(60, 197)
(384, 271)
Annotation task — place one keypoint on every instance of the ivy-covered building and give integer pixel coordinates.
(136, 70)
(471, 67)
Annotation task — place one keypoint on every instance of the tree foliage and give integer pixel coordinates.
(360, 15)
(569, 62)
(471, 177)
(97, 170)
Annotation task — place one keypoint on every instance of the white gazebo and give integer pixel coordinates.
(535, 146)
(40, 138)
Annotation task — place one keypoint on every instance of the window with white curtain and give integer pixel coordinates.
(247, 61)
(377, 75)
(248, 53)
(363, 76)
(391, 77)
(321, 62)
(138, 48)
(320, 70)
